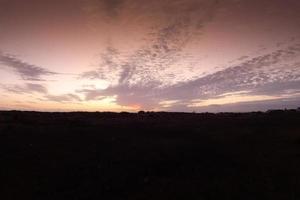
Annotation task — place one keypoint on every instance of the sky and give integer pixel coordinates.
(158, 55)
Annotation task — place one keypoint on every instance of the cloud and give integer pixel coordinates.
(172, 26)
(92, 94)
(109, 68)
(268, 75)
(28, 88)
(32, 88)
(262, 105)
(64, 98)
(25, 70)
(231, 99)
(112, 6)
(37, 88)
(277, 68)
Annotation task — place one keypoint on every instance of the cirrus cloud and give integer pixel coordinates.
(25, 70)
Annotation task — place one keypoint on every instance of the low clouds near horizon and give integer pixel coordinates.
(182, 55)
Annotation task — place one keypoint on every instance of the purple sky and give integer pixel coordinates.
(129, 55)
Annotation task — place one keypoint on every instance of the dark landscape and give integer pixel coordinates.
(150, 155)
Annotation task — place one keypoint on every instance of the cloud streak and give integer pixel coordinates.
(25, 70)
(64, 98)
(28, 88)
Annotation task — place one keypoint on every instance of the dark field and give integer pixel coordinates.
(149, 156)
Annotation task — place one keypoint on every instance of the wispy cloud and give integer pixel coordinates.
(40, 92)
(28, 88)
(231, 99)
(64, 98)
(24, 69)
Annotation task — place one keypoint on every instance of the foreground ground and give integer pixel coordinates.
(149, 156)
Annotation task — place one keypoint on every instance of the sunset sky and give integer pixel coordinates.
(130, 55)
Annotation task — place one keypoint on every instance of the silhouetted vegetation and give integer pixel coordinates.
(150, 155)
